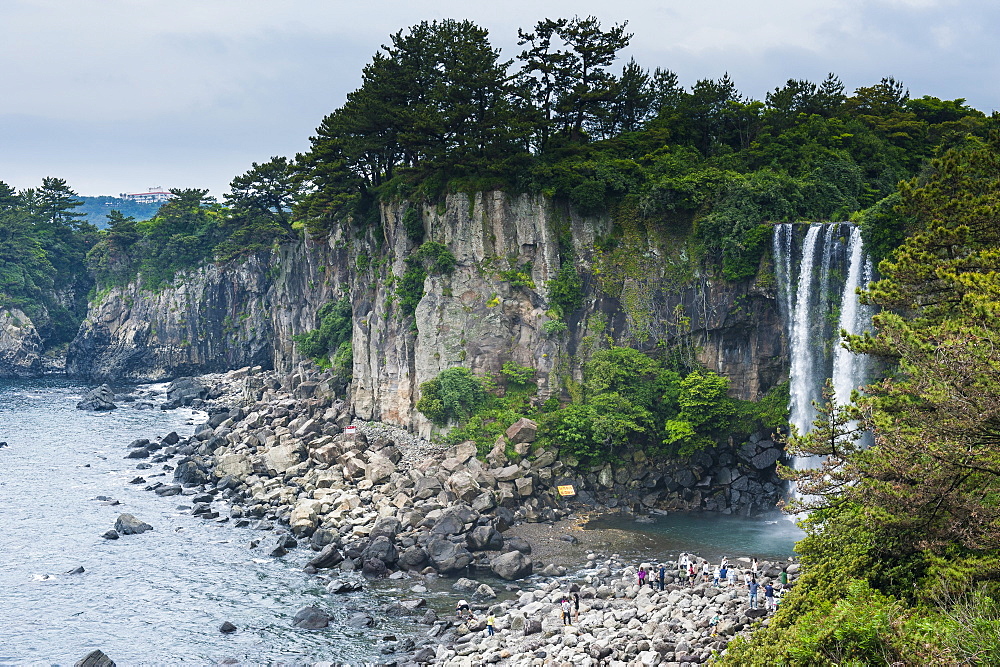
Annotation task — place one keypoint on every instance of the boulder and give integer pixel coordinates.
(101, 398)
(227, 628)
(448, 524)
(518, 544)
(129, 525)
(379, 470)
(283, 457)
(95, 658)
(183, 391)
(388, 526)
(464, 485)
(523, 430)
(447, 557)
(311, 618)
(511, 565)
(766, 458)
(329, 557)
(413, 558)
(383, 549)
(188, 473)
(237, 466)
(484, 538)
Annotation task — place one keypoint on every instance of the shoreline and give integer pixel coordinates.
(394, 504)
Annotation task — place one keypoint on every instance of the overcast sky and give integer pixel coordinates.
(124, 95)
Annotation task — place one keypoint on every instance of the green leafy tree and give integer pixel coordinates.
(261, 202)
(452, 396)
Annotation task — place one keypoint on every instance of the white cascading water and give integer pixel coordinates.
(849, 369)
(826, 272)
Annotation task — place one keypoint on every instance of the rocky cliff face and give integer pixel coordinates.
(20, 345)
(642, 291)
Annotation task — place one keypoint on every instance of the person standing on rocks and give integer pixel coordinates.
(769, 597)
(752, 589)
(491, 622)
(566, 610)
(663, 574)
(576, 607)
(691, 574)
(642, 576)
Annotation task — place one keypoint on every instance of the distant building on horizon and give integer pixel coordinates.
(155, 195)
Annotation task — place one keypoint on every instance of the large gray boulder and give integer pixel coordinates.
(329, 557)
(511, 565)
(447, 557)
(383, 549)
(129, 525)
(183, 391)
(311, 618)
(101, 398)
(484, 538)
(388, 526)
(413, 558)
(523, 430)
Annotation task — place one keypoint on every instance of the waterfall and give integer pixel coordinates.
(831, 264)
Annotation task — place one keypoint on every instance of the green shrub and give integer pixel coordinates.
(553, 328)
(333, 335)
(566, 290)
(453, 395)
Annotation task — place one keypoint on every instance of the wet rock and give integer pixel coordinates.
(311, 618)
(110, 535)
(447, 557)
(374, 568)
(329, 557)
(511, 565)
(101, 398)
(95, 658)
(129, 525)
(361, 620)
(227, 628)
(413, 558)
(140, 453)
(76, 570)
(382, 549)
(343, 586)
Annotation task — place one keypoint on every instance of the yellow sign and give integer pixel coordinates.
(566, 490)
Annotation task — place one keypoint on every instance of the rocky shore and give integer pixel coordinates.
(283, 454)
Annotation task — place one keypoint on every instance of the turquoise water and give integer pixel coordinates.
(711, 536)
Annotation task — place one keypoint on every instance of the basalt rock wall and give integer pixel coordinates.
(642, 290)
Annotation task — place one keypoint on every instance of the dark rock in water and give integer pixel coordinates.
(168, 490)
(140, 453)
(343, 586)
(101, 398)
(511, 565)
(413, 558)
(373, 567)
(188, 472)
(184, 391)
(278, 552)
(110, 535)
(383, 549)
(95, 659)
(425, 656)
(287, 541)
(311, 618)
(227, 627)
(447, 557)
(141, 442)
(129, 525)
(329, 557)
(137, 480)
(2, 445)
(361, 620)
(144, 466)
(76, 570)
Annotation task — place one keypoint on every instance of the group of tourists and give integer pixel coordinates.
(691, 567)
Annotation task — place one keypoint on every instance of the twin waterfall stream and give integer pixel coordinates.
(818, 275)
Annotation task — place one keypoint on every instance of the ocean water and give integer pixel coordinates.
(155, 598)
